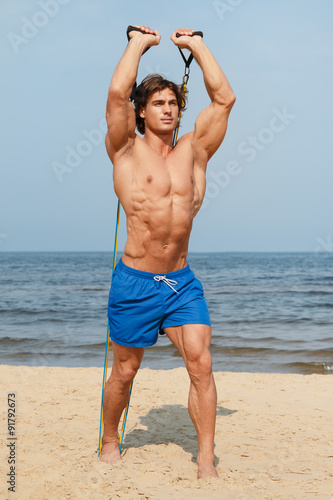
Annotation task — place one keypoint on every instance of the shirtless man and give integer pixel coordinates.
(161, 189)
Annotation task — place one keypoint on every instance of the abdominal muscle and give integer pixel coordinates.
(157, 238)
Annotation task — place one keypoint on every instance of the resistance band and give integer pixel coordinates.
(175, 137)
(107, 343)
(184, 82)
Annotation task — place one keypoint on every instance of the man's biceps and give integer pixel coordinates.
(201, 127)
(213, 124)
(208, 119)
(211, 139)
(116, 114)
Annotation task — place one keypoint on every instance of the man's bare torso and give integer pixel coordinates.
(160, 196)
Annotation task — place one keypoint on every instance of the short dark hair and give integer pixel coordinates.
(149, 85)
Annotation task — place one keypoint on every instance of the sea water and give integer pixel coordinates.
(270, 312)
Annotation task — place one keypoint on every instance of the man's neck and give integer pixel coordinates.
(162, 143)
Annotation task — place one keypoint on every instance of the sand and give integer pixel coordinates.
(274, 437)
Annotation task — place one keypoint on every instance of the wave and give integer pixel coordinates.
(310, 368)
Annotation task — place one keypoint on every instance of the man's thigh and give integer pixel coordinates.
(126, 357)
(192, 341)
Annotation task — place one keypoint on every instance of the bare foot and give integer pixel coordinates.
(110, 453)
(206, 469)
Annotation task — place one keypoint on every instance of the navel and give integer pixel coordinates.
(150, 178)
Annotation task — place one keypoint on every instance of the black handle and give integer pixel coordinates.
(196, 33)
(129, 29)
(133, 28)
(190, 59)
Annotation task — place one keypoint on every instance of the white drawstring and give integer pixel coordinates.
(166, 281)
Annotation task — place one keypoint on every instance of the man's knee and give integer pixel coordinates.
(125, 372)
(200, 367)
(126, 363)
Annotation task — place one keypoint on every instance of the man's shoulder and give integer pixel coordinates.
(187, 141)
(186, 138)
(184, 143)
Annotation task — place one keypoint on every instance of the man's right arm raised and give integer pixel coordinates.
(120, 116)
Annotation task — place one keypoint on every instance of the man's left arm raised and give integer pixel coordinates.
(211, 124)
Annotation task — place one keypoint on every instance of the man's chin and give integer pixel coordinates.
(167, 127)
(164, 128)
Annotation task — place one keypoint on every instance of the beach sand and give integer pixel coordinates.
(274, 437)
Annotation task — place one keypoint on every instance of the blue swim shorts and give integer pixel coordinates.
(141, 304)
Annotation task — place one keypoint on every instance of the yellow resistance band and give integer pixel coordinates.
(107, 343)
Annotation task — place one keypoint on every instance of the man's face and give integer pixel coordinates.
(161, 112)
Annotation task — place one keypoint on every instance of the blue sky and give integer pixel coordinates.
(269, 187)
